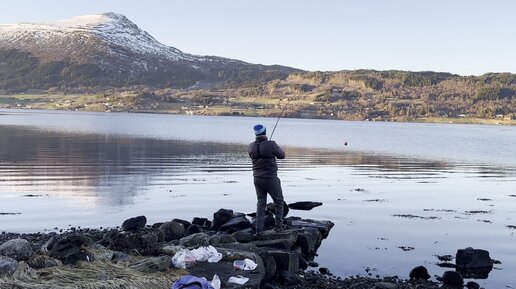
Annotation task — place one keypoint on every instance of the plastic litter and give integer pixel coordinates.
(241, 280)
(185, 258)
(192, 282)
(215, 282)
(246, 264)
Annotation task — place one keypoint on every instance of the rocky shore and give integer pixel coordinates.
(138, 255)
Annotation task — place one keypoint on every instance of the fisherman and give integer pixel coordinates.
(263, 153)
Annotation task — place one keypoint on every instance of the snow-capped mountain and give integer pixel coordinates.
(109, 49)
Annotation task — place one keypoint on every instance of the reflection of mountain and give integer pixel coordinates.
(110, 169)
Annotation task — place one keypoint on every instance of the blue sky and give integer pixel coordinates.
(466, 37)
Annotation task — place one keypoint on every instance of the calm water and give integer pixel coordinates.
(62, 169)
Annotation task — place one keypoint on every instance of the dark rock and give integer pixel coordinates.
(473, 258)
(419, 272)
(119, 257)
(324, 270)
(199, 221)
(222, 239)
(271, 208)
(134, 224)
(172, 231)
(72, 249)
(157, 225)
(307, 243)
(473, 263)
(149, 240)
(303, 265)
(306, 206)
(18, 249)
(452, 278)
(195, 240)
(472, 285)
(324, 227)
(236, 224)
(192, 229)
(288, 278)
(290, 235)
(185, 223)
(244, 236)
(285, 260)
(152, 265)
(267, 286)
(270, 265)
(278, 244)
(221, 217)
(42, 261)
(313, 264)
(7, 266)
(50, 243)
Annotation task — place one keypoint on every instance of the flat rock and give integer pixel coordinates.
(236, 224)
(222, 239)
(18, 249)
(224, 269)
(385, 285)
(244, 236)
(284, 244)
(305, 206)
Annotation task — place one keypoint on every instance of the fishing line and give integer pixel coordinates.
(282, 111)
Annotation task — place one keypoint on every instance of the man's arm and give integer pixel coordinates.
(277, 151)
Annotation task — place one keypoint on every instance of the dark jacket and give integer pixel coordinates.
(263, 153)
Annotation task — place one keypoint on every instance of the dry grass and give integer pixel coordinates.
(101, 274)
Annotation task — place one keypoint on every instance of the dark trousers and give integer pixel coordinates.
(271, 186)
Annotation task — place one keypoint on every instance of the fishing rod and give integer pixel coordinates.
(279, 117)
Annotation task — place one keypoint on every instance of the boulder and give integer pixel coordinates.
(473, 258)
(324, 270)
(305, 206)
(307, 243)
(285, 260)
(7, 266)
(195, 240)
(172, 231)
(134, 224)
(452, 278)
(472, 285)
(313, 264)
(324, 227)
(72, 249)
(50, 243)
(192, 229)
(43, 261)
(18, 249)
(199, 221)
(152, 265)
(185, 223)
(419, 272)
(221, 217)
(473, 263)
(244, 236)
(222, 238)
(236, 224)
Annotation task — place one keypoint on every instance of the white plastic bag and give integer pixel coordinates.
(238, 280)
(246, 264)
(183, 259)
(208, 253)
(215, 282)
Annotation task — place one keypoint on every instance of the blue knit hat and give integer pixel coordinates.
(259, 129)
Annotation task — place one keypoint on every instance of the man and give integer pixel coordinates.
(263, 154)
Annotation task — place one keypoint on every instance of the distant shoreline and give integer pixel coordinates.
(45, 104)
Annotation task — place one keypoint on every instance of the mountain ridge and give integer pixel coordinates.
(110, 50)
